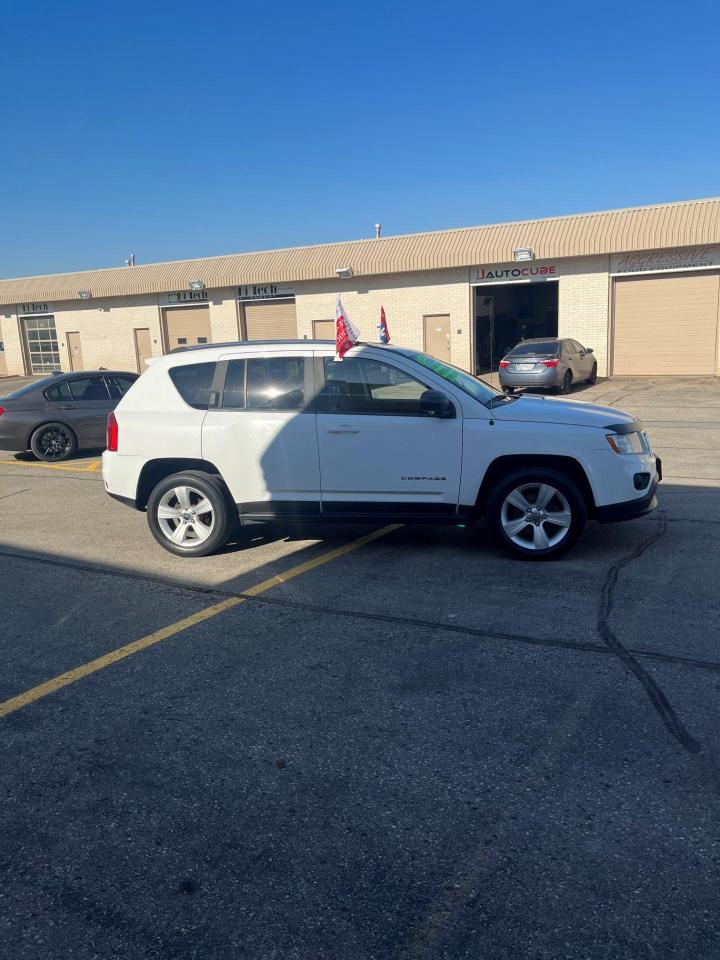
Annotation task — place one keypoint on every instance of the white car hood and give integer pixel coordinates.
(530, 409)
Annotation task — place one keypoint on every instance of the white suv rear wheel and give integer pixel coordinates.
(190, 515)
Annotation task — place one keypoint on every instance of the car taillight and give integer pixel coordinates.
(504, 364)
(2, 411)
(551, 363)
(112, 433)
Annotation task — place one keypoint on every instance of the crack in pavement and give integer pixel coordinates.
(14, 493)
(655, 693)
(579, 646)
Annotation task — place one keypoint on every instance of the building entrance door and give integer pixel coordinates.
(143, 348)
(507, 313)
(437, 336)
(74, 350)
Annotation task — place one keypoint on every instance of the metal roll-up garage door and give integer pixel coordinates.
(666, 325)
(271, 320)
(186, 326)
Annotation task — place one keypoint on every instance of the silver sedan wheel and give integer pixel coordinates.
(536, 516)
(185, 516)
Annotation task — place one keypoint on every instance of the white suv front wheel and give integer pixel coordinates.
(190, 514)
(537, 514)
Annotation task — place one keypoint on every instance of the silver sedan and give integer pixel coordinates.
(550, 364)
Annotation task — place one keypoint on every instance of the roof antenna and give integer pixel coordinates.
(378, 230)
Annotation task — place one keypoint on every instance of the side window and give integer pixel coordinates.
(119, 386)
(61, 391)
(234, 389)
(193, 382)
(89, 390)
(275, 383)
(577, 346)
(358, 385)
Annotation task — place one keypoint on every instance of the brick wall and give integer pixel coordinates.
(583, 309)
(407, 298)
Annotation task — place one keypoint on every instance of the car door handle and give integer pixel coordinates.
(68, 406)
(343, 428)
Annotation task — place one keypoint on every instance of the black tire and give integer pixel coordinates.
(202, 487)
(593, 375)
(566, 384)
(508, 391)
(53, 442)
(500, 519)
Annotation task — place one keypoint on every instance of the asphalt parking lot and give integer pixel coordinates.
(353, 743)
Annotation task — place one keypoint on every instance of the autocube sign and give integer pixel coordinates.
(515, 272)
(676, 258)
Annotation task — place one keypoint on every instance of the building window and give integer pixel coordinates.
(41, 343)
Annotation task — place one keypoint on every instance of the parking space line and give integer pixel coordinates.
(121, 653)
(88, 468)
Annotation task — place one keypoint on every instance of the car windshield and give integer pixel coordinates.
(29, 387)
(536, 348)
(477, 389)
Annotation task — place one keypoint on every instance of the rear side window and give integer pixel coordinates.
(61, 391)
(275, 383)
(89, 390)
(193, 382)
(119, 386)
(537, 348)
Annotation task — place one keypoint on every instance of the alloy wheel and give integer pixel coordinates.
(54, 443)
(185, 516)
(536, 516)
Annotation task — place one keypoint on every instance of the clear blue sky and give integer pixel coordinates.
(179, 129)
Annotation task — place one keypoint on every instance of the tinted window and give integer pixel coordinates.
(89, 389)
(577, 347)
(61, 391)
(119, 386)
(275, 383)
(234, 389)
(29, 388)
(358, 385)
(536, 348)
(193, 383)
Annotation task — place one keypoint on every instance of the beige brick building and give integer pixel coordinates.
(635, 285)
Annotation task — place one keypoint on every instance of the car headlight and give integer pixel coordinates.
(626, 442)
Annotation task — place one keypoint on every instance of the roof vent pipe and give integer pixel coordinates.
(378, 230)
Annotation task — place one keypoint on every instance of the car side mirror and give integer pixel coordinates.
(435, 404)
(588, 349)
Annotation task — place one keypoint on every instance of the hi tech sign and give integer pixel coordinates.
(517, 273)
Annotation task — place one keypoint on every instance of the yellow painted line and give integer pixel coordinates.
(53, 466)
(85, 669)
(94, 466)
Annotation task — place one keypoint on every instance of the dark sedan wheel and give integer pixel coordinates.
(566, 382)
(53, 442)
(593, 375)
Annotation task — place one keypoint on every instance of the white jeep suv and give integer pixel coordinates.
(259, 431)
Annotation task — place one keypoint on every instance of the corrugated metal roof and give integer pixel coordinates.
(613, 231)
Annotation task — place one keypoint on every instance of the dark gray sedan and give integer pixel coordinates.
(548, 363)
(61, 413)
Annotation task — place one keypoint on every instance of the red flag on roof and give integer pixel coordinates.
(384, 332)
(346, 334)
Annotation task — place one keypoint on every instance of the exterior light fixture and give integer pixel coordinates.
(197, 284)
(84, 294)
(344, 272)
(523, 253)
